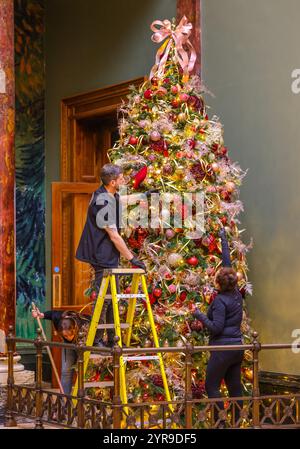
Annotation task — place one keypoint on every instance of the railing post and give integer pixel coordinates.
(38, 384)
(256, 392)
(9, 418)
(188, 386)
(117, 411)
(80, 392)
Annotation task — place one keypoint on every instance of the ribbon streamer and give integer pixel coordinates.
(180, 37)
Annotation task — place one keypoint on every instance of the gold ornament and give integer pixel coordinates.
(175, 259)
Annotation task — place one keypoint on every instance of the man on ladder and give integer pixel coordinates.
(101, 243)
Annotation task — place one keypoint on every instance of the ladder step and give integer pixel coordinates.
(130, 295)
(142, 357)
(124, 271)
(112, 326)
(101, 384)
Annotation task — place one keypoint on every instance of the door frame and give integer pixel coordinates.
(97, 103)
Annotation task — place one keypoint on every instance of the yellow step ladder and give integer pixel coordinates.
(109, 278)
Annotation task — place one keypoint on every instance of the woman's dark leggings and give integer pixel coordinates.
(224, 365)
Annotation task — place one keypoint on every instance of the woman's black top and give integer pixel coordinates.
(225, 313)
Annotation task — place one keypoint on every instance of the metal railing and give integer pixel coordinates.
(46, 406)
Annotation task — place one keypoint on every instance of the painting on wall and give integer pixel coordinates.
(30, 162)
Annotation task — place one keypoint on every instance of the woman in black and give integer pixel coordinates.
(223, 320)
(67, 324)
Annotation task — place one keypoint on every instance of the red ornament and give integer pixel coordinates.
(93, 296)
(196, 325)
(166, 81)
(183, 296)
(175, 103)
(191, 143)
(133, 140)
(148, 94)
(225, 195)
(184, 97)
(154, 81)
(157, 292)
(160, 397)
(139, 177)
(193, 261)
(174, 90)
(128, 290)
(152, 299)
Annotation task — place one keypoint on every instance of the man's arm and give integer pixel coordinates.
(119, 243)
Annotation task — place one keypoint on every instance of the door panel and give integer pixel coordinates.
(70, 277)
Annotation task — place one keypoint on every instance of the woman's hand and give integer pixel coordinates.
(197, 314)
(37, 314)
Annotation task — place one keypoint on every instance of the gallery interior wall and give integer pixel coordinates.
(249, 51)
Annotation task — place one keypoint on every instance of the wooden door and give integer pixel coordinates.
(89, 127)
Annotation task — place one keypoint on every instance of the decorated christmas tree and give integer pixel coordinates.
(169, 143)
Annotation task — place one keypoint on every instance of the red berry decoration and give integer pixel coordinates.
(154, 81)
(148, 94)
(157, 292)
(133, 140)
(193, 261)
(166, 81)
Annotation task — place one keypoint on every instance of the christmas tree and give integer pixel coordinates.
(169, 143)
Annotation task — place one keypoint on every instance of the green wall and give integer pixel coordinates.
(91, 44)
(249, 50)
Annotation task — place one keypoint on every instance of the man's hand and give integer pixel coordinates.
(138, 263)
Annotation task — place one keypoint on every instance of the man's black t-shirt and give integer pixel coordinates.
(95, 246)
